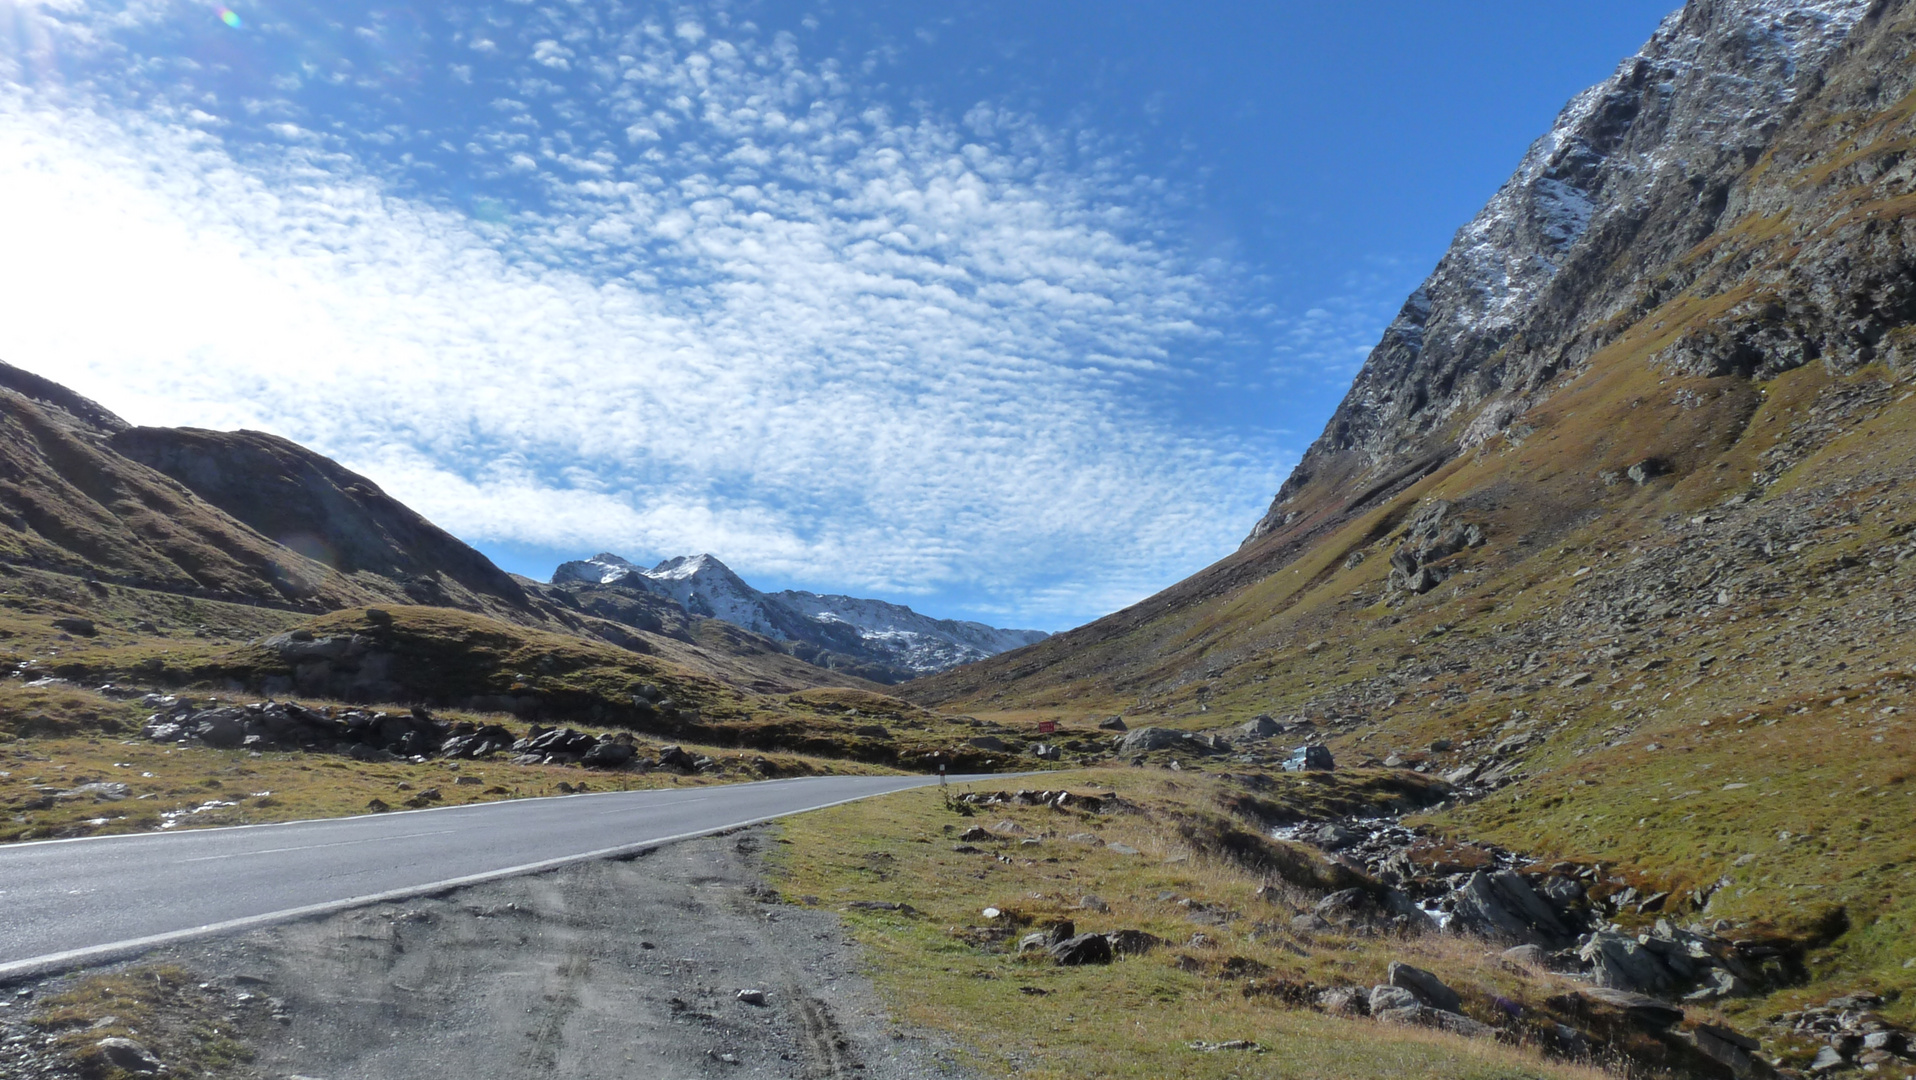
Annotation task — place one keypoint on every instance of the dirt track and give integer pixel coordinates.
(612, 969)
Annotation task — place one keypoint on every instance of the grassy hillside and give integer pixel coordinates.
(1681, 648)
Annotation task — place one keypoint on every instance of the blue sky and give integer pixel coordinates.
(1014, 311)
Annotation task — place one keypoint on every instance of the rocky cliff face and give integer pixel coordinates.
(1636, 173)
(881, 641)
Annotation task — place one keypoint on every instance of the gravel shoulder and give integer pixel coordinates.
(599, 970)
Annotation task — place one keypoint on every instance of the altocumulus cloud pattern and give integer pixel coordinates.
(649, 279)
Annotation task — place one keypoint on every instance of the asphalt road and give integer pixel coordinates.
(65, 903)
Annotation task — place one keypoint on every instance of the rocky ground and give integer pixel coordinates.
(679, 963)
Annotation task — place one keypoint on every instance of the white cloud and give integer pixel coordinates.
(832, 345)
(553, 55)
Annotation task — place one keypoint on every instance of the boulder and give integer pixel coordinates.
(1052, 936)
(1385, 999)
(1083, 949)
(1526, 955)
(224, 729)
(675, 757)
(128, 1056)
(1828, 1059)
(1132, 942)
(1619, 962)
(1115, 723)
(1729, 1047)
(1503, 905)
(1348, 1000)
(1261, 727)
(80, 627)
(609, 753)
(1429, 989)
(988, 742)
(1145, 740)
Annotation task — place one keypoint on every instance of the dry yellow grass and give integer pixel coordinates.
(65, 737)
(1136, 1018)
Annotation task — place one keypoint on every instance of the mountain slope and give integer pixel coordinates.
(70, 503)
(1621, 547)
(312, 505)
(872, 638)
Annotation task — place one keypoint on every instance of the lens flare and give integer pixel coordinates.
(230, 18)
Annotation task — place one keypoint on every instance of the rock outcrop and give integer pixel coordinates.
(1635, 174)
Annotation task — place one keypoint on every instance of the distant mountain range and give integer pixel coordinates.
(874, 639)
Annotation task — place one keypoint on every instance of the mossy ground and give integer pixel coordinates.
(944, 967)
(161, 1007)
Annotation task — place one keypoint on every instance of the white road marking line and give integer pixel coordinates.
(309, 847)
(71, 958)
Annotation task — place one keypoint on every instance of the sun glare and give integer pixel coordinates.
(230, 18)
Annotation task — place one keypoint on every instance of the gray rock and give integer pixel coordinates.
(751, 997)
(1350, 1000)
(1145, 740)
(1093, 903)
(81, 627)
(1046, 752)
(1719, 984)
(1646, 470)
(1457, 1024)
(129, 1056)
(1828, 1059)
(1121, 849)
(1132, 942)
(1503, 904)
(988, 742)
(1430, 990)
(1261, 727)
(976, 833)
(223, 728)
(1384, 999)
(1644, 1010)
(1115, 723)
(609, 754)
(1560, 891)
(1083, 949)
(1527, 955)
(1620, 962)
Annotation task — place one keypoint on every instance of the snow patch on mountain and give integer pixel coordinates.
(891, 634)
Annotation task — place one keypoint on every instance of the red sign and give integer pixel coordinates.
(1046, 727)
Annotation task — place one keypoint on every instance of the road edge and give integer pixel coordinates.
(57, 963)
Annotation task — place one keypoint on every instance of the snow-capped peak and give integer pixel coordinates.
(895, 637)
